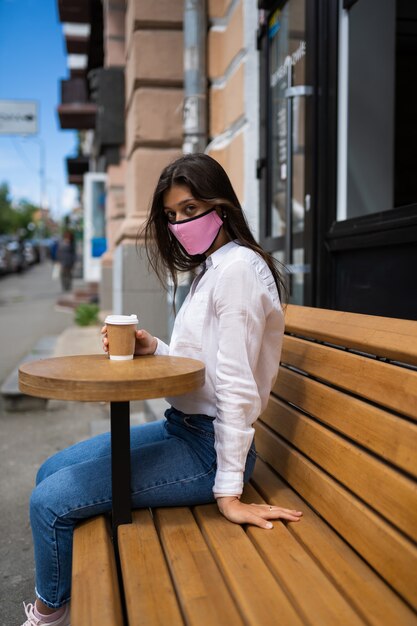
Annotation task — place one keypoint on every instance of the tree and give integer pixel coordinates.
(25, 212)
(7, 215)
(14, 218)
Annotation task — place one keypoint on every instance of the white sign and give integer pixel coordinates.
(289, 61)
(18, 117)
(94, 223)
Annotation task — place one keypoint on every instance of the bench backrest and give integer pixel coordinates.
(341, 429)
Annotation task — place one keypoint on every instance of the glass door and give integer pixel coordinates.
(288, 88)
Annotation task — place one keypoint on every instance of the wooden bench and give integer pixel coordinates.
(337, 441)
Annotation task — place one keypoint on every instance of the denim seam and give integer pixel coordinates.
(173, 482)
(85, 506)
(133, 493)
(55, 574)
(201, 432)
(52, 605)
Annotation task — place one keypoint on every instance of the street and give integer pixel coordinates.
(27, 313)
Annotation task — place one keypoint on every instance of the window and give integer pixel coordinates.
(377, 103)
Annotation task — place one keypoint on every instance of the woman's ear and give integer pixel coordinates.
(220, 211)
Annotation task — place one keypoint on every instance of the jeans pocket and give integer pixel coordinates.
(200, 425)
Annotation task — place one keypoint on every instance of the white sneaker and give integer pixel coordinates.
(64, 620)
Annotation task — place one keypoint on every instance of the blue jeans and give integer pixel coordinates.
(173, 464)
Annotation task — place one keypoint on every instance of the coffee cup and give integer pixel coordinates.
(121, 333)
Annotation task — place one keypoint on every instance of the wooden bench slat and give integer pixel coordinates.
(381, 486)
(204, 598)
(367, 592)
(386, 337)
(94, 576)
(255, 590)
(360, 526)
(338, 441)
(383, 383)
(389, 436)
(149, 592)
(318, 600)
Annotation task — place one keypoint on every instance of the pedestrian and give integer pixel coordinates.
(203, 450)
(65, 256)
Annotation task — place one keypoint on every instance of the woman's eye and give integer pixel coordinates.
(171, 216)
(190, 208)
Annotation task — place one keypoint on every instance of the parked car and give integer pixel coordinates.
(30, 252)
(17, 255)
(37, 249)
(4, 257)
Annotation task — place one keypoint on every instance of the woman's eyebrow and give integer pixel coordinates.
(167, 208)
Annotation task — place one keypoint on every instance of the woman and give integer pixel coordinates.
(66, 257)
(203, 451)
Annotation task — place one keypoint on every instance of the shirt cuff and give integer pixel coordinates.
(227, 483)
(226, 495)
(162, 349)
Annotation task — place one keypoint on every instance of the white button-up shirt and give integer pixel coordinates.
(232, 321)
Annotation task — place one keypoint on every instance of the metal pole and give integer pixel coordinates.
(42, 170)
(42, 177)
(195, 79)
(52, 181)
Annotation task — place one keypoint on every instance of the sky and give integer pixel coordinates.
(32, 61)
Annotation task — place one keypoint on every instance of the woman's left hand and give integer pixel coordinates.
(257, 514)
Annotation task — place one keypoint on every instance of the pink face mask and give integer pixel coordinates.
(197, 234)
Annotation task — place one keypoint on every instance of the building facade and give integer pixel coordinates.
(338, 193)
(308, 105)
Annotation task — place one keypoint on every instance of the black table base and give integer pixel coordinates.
(120, 462)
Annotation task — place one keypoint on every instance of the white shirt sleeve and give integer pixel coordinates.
(241, 307)
(162, 349)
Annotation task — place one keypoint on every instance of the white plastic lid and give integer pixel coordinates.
(121, 319)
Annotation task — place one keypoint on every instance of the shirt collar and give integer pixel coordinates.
(216, 257)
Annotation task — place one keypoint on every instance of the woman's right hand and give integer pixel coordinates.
(257, 514)
(145, 342)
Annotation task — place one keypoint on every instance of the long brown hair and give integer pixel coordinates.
(208, 182)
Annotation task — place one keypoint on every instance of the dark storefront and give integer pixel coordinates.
(338, 159)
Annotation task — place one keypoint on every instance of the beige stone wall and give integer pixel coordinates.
(225, 44)
(114, 12)
(153, 60)
(225, 64)
(154, 119)
(218, 8)
(115, 201)
(154, 100)
(233, 70)
(152, 14)
(231, 159)
(114, 32)
(150, 61)
(154, 105)
(227, 103)
(145, 167)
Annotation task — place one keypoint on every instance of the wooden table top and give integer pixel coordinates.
(95, 378)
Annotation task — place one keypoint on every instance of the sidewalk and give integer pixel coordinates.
(27, 438)
(78, 340)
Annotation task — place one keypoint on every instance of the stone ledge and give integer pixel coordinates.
(14, 399)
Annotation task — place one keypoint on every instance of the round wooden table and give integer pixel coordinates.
(95, 378)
